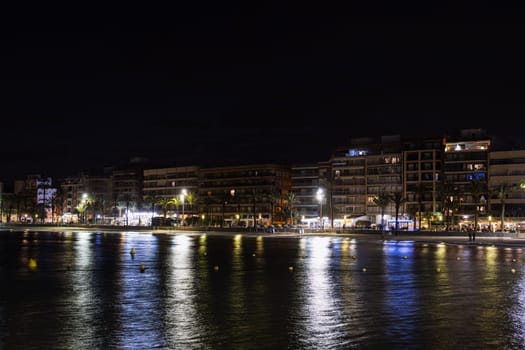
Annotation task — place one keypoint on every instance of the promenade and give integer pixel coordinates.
(448, 237)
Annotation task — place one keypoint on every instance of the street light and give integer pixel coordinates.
(232, 195)
(320, 197)
(182, 197)
(84, 206)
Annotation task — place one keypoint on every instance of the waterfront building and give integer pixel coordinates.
(87, 198)
(305, 184)
(506, 193)
(422, 174)
(358, 174)
(465, 167)
(165, 189)
(433, 177)
(245, 195)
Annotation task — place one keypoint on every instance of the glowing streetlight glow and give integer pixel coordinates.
(182, 197)
(320, 197)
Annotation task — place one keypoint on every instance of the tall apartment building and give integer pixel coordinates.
(170, 183)
(305, 184)
(126, 185)
(507, 195)
(244, 195)
(87, 198)
(348, 174)
(357, 174)
(422, 174)
(465, 159)
(384, 174)
(434, 176)
(419, 169)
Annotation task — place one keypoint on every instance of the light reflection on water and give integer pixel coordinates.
(247, 291)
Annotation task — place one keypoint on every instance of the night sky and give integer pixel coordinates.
(215, 83)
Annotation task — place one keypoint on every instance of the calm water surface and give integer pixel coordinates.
(87, 291)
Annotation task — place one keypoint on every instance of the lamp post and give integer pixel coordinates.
(84, 206)
(320, 197)
(232, 195)
(182, 197)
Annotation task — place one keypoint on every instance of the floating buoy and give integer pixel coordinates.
(513, 260)
(513, 270)
(142, 268)
(132, 251)
(253, 254)
(438, 269)
(216, 268)
(458, 258)
(405, 257)
(363, 269)
(354, 257)
(290, 268)
(32, 263)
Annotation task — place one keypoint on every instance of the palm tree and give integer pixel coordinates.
(257, 196)
(191, 198)
(8, 205)
(446, 193)
(398, 199)
(292, 200)
(502, 193)
(165, 203)
(81, 209)
(56, 204)
(127, 199)
(274, 197)
(476, 189)
(382, 200)
(420, 190)
(153, 200)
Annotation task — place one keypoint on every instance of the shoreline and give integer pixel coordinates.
(452, 237)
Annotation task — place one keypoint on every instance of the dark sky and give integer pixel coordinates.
(216, 83)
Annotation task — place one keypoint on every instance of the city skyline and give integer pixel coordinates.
(246, 83)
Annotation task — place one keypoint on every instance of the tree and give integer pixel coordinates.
(502, 193)
(127, 199)
(152, 200)
(8, 204)
(398, 200)
(420, 191)
(476, 189)
(81, 210)
(446, 193)
(191, 198)
(257, 196)
(382, 200)
(274, 197)
(292, 199)
(165, 203)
